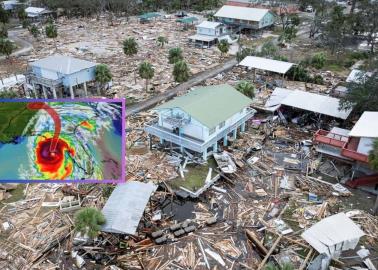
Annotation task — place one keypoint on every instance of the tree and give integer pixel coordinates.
(288, 34)
(181, 71)
(130, 46)
(51, 32)
(161, 41)
(88, 221)
(244, 53)
(22, 15)
(34, 31)
(335, 30)
(3, 31)
(4, 15)
(6, 47)
(246, 88)
(175, 55)
(8, 94)
(373, 156)
(223, 46)
(269, 49)
(103, 74)
(147, 72)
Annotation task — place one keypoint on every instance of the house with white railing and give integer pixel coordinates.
(202, 118)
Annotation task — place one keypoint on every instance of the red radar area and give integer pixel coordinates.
(56, 118)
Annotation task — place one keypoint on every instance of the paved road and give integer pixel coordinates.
(196, 79)
(25, 46)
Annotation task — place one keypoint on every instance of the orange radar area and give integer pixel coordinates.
(87, 125)
(56, 164)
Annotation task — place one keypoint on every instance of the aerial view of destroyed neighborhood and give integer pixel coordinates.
(233, 134)
(60, 140)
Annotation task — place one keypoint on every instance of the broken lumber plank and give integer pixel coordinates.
(252, 236)
(262, 264)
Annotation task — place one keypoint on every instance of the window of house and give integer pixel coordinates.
(211, 131)
(221, 125)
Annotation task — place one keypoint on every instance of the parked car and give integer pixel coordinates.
(309, 9)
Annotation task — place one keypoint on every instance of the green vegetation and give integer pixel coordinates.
(15, 117)
(34, 31)
(246, 88)
(51, 31)
(181, 71)
(318, 60)
(22, 15)
(3, 31)
(88, 221)
(103, 74)
(162, 41)
(130, 47)
(269, 49)
(244, 53)
(4, 15)
(175, 55)
(195, 177)
(373, 156)
(6, 47)
(286, 266)
(147, 72)
(223, 47)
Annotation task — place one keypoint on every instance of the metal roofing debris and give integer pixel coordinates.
(366, 126)
(266, 64)
(63, 64)
(35, 10)
(202, 38)
(125, 207)
(149, 15)
(333, 234)
(357, 76)
(316, 103)
(187, 20)
(210, 105)
(242, 13)
(211, 25)
(274, 101)
(11, 81)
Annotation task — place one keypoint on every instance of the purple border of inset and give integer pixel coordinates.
(123, 140)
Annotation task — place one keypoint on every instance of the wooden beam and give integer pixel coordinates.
(262, 264)
(252, 236)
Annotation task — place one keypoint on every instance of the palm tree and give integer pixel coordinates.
(147, 72)
(51, 32)
(181, 71)
(103, 75)
(130, 48)
(246, 88)
(88, 221)
(175, 55)
(223, 46)
(161, 41)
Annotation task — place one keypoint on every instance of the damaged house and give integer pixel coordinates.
(208, 34)
(200, 119)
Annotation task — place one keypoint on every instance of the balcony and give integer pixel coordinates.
(192, 143)
(32, 78)
(333, 139)
(349, 150)
(347, 145)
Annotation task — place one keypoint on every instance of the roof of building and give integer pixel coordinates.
(34, 10)
(211, 25)
(333, 234)
(266, 64)
(366, 126)
(210, 105)
(125, 206)
(242, 13)
(187, 20)
(63, 64)
(274, 101)
(357, 76)
(315, 103)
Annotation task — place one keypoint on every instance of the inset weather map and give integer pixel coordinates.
(61, 140)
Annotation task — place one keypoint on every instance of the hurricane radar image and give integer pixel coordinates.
(61, 140)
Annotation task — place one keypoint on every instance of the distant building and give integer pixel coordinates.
(37, 13)
(351, 145)
(10, 5)
(245, 17)
(59, 76)
(208, 33)
(197, 121)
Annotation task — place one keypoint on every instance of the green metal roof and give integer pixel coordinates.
(149, 15)
(187, 20)
(210, 105)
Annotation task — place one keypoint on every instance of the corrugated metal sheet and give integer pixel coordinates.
(274, 101)
(266, 64)
(125, 207)
(333, 235)
(316, 103)
(366, 126)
